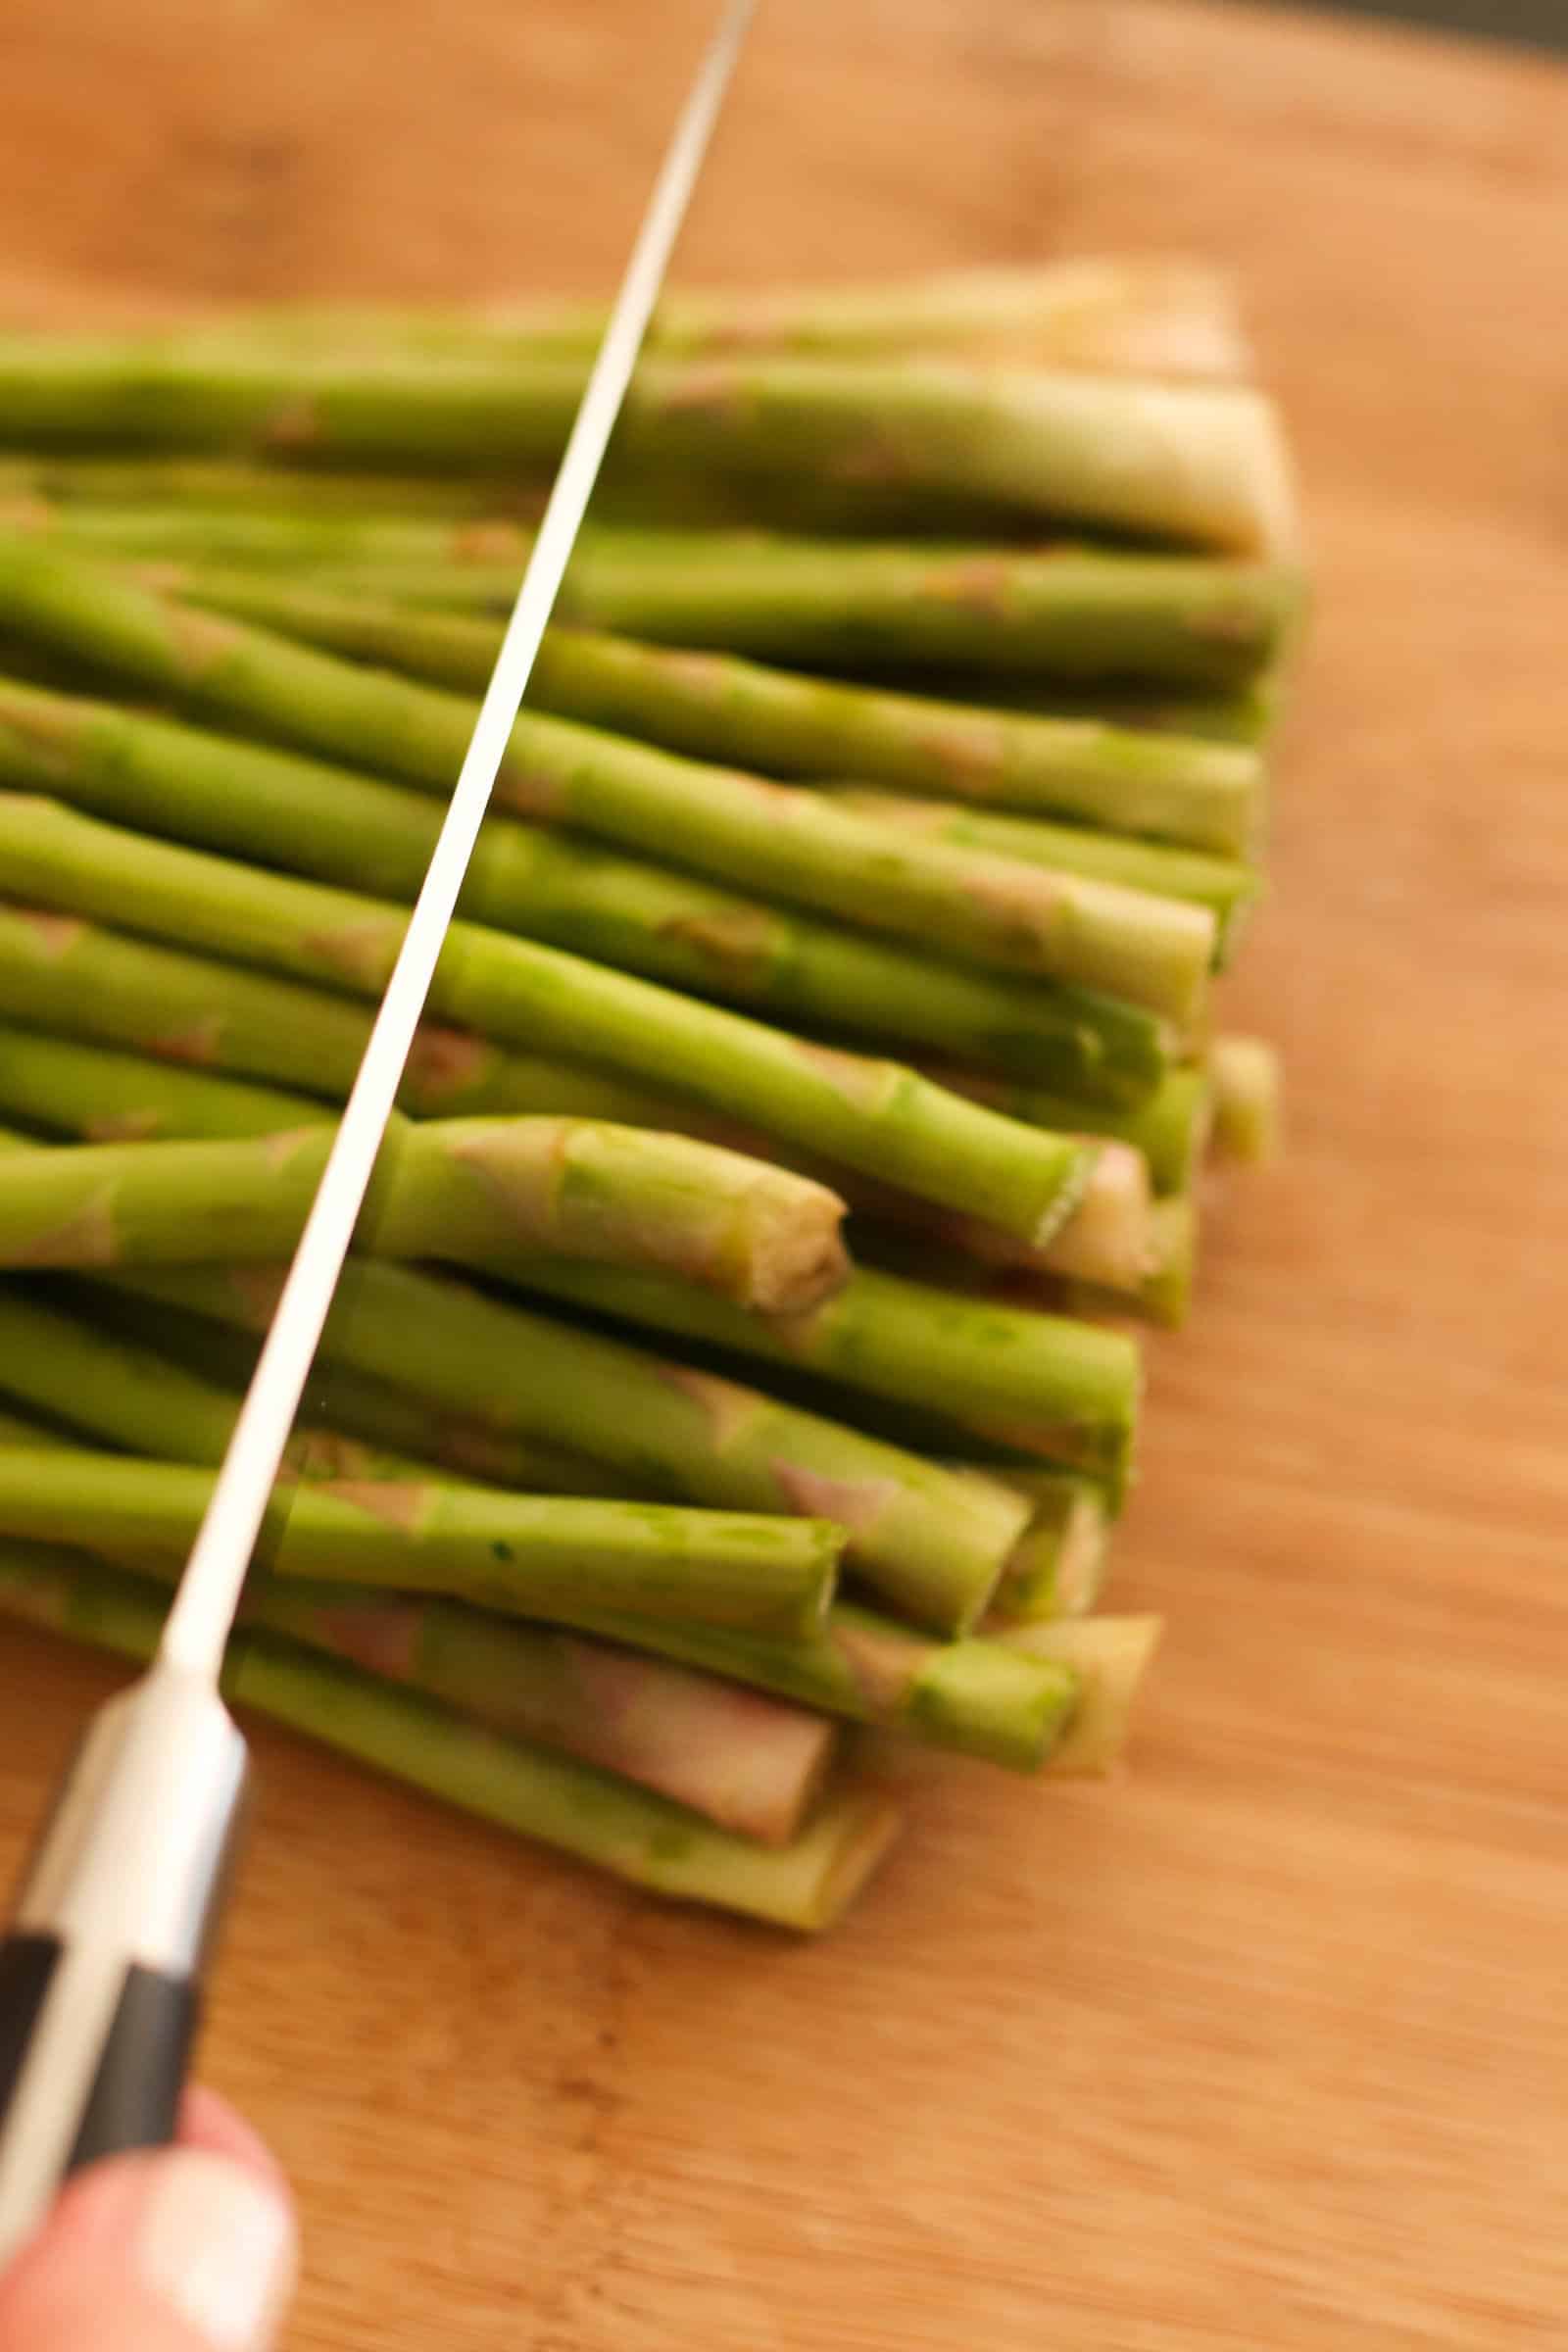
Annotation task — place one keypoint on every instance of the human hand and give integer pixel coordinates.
(185, 2249)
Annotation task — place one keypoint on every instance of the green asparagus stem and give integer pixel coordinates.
(66, 975)
(717, 706)
(870, 1114)
(1110, 1656)
(1225, 886)
(799, 844)
(1170, 1127)
(1245, 716)
(1245, 1078)
(1144, 317)
(108, 1383)
(1067, 617)
(1196, 463)
(335, 826)
(1035, 1382)
(550, 1556)
(645, 1838)
(932, 1544)
(752, 1763)
(474, 1190)
(33, 486)
(963, 1696)
(103, 1096)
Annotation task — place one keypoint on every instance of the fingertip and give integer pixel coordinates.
(208, 2122)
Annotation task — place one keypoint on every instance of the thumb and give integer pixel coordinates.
(185, 2250)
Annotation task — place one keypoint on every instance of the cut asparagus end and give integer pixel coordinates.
(1245, 1078)
(1057, 1568)
(1107, 1237)
(1110, 1656)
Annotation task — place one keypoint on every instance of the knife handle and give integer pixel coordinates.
(101, 1969)
(133, 2101)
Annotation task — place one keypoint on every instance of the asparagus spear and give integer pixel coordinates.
(336, 826)
(91, 1093)
(1244, 1075)
(586, 1812)
(1170, 1127)
(1143, 316)
(752, 1763)
(932, 1544)
(65, 974)
(794, 844)
(869, 1114)
(1079, 614)
(1225, 886)
(1068, 616)
(1036, 1383)
(548, 1556)
(719, 707)
(108, 1383)
(474, 1190)
(102, 1097)
(966, 1695)
(1196, 462)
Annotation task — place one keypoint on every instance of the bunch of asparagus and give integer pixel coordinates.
(818, 1088)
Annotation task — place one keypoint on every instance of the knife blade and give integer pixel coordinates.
(101, 1968)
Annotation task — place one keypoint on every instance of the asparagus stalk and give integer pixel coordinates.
(1244, 1075)
(336, 826)
(1225, 886)
(369, 1413)
(67, 975)
(966, 1695)
(970, 1697)
(548, 1556)
(1039, 1384)
(797, 844)
(1144, 316)
(874, 1115)
(752, 1763)
(108, 1384)
(102, 1097)
(1069, 617)
(932, 1544)
(719, 707)
(1196, 463)
(592, 1814)
(240, 1201)
(1245, 716)
(474, 1190)
(1170, 1127)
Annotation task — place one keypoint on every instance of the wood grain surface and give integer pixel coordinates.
(1261, 2046)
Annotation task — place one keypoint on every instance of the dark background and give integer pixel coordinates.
(1539, 24)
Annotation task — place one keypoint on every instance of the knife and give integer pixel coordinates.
(102, 1964)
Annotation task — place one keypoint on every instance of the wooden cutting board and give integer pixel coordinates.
(1260, 2047)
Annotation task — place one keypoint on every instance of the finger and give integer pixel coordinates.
(207, 2122)
(183, 2250)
